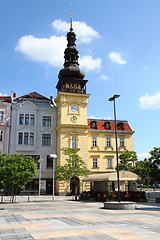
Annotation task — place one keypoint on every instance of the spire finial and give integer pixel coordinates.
(71, 29)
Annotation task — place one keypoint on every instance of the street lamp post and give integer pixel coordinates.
(54, 156)
(40, 161)
(113, 99)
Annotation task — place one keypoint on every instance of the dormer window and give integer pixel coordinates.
(107, 125)
(120, 126)
(94, 124)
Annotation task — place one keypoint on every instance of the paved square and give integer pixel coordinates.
(67, 219)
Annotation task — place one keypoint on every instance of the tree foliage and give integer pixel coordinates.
(155, 155)
(73, 168)
(146, 169)
(16, 170)
(127, 160)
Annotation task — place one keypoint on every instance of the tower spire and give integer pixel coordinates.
(71, 29)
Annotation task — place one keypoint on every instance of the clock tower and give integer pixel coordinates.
(72, 101)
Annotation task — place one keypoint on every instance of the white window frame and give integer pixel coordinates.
(1, 116)
(122, 141)
(108, 141)
(94, 162)
(74, 142)
(110, 163)
(94, 141)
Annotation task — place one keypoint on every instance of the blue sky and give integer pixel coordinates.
(119, 49)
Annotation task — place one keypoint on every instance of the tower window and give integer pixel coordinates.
(74, 142)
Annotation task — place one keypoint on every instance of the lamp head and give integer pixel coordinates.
(113, 98)
(53, 155)
(40, 160)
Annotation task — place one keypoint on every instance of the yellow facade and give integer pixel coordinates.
(102, 152)
(71, 123)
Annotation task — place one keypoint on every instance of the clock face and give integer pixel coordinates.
(74, 108)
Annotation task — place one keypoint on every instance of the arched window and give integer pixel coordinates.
(74, 142)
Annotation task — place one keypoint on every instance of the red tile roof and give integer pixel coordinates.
(101, 126)
(5, 99)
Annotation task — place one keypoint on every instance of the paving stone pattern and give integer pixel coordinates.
(65, 219)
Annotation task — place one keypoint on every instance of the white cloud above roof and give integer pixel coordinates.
(44, 50)
(150, 102)
(116, 57)
(104, 77)
(142, 156)
(89, 63)
(83, 32)
(4, 95)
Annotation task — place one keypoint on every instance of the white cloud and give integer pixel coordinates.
(44, 50)
(90, 64)
(92, 117)
(84, 32)
(142, 156)
(104, 77)
(5, 95)
(150, 102)
(116, 57)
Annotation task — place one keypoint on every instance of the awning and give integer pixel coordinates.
(112, 176)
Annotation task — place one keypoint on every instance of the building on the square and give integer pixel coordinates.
(33, 124)
(5, 123)
(94, 139)
(72, 101)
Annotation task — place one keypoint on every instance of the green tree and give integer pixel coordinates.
(127, 160)
(155, 155)
(144, 170)
(74, 167)
(16, 170)
(155, 158)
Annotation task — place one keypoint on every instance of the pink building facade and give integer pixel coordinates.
(5, 123)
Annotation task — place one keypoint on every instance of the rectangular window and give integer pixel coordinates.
(108, 142)
(46, 139)
(1, 116)
(20, 138)
(46, 121)
(26, 119)
(1, 136)
(49, 162)
(31, 141)
(21, 119)
(74, 142)
(26, 138)
(109, 163)
(74, 162)
(95, 163)
(122, 141)
(94, 141)
(32, 119)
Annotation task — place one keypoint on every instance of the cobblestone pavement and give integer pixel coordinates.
(41, 218)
